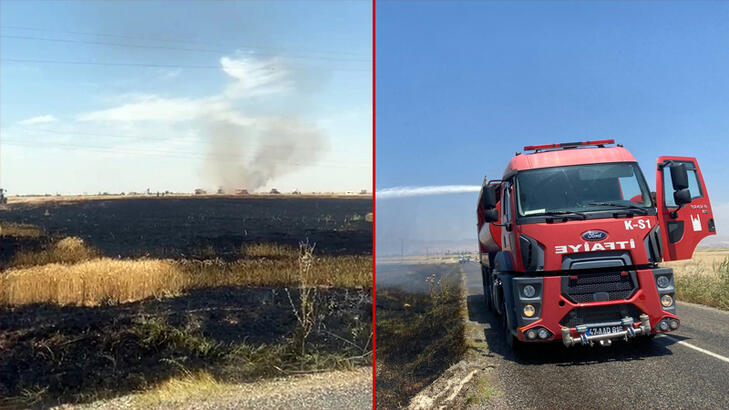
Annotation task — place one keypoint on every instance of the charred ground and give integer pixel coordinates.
(54, 354)
(195, 227)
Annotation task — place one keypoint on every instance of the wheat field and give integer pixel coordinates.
(71, 273)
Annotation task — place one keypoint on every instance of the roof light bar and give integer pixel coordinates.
(568, 145)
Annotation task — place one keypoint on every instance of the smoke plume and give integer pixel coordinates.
(248, 147)
(251, 156)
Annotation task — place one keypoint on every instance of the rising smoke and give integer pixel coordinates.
(409, 191)
(248, 152)
(251, 156)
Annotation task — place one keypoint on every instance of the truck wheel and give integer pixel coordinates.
(487, 289)
(511, 341)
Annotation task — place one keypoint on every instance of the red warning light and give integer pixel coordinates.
(569, 145)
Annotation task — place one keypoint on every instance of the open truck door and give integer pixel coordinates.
(684, 210)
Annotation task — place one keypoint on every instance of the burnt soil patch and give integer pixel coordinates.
(182, 227)
(53, 355)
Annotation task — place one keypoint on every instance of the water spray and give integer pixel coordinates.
(409, 191)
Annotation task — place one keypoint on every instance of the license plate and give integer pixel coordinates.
(605, 330)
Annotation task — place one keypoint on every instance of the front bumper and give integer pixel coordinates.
(630, 330)
(640, 314)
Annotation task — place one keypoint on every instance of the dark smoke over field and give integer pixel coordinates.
(251, 156)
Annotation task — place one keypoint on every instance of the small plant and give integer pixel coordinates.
(155, 334)
(305, 309)
(722, 269)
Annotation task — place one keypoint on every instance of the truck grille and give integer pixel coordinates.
(600, 286)
(599, 314)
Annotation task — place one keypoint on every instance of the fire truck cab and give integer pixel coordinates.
(571, 236)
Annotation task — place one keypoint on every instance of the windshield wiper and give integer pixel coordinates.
(622, 205)
(565, 213)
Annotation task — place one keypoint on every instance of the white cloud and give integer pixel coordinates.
(41, 119)
(251, 78)
(254, 77)
(169, 110)
(268, 140)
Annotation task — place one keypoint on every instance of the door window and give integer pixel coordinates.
(694, 186)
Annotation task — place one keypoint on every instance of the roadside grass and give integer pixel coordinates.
(482, 392)
(420, 335)
(697, 284)
(71, 273)
(183, 388)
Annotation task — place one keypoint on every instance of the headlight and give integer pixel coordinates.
(529, 291)
(543, 333)
(529, 311)
(531, 334)
(666, 300)
(663, 281)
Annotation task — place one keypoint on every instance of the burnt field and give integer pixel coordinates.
(105, 297)
(195, 227)
(54, 355)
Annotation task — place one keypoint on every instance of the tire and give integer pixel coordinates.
(509, 339)
(488, 300)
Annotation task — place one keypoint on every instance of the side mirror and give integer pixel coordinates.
(488, 196)
(682, 197)
(491, 215)
(679, 177)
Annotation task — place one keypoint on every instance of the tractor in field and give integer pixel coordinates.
(571, 239)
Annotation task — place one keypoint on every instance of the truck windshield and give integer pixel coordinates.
(581, 188)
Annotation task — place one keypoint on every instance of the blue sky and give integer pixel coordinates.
(462, 86)
(279, 91)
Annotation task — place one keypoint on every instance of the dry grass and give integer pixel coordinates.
(71, 274)
(90, 283)
(704, 279)
(67, 250)
(182, 389)
(20, 230)
(268, 250)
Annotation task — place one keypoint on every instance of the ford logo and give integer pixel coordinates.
(594, 235)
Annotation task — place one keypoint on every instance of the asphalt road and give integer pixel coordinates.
(660, 374)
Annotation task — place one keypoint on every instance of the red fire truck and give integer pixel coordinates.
(571, 236)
